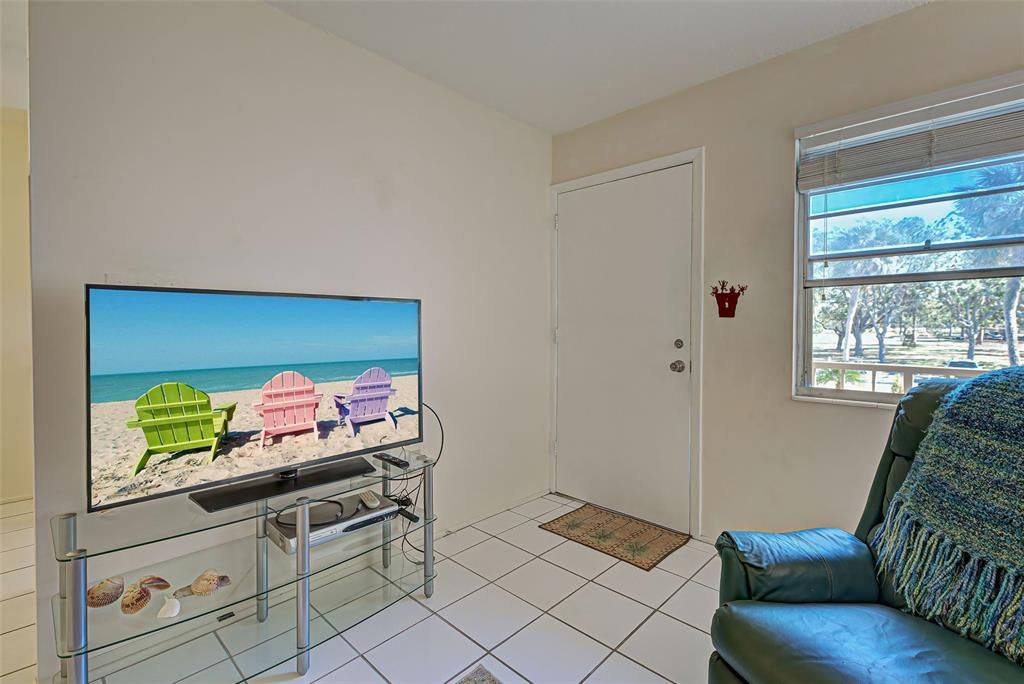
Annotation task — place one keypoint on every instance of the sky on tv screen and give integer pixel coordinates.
(141, 331)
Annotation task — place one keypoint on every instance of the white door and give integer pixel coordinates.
(623, 302)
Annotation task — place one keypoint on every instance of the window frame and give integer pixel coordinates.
(1002, 89)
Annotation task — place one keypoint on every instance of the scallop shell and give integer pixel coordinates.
(154, 582)
(136, 597)
(170, 609)
(105, 592)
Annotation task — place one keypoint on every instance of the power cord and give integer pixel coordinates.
(415, 493)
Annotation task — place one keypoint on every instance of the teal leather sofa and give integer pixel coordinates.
(806, 606)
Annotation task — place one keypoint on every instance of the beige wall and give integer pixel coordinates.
(15, 312)
(770, 462)
(228, 145)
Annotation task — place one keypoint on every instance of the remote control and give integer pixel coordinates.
(369, 499)
(393, 460)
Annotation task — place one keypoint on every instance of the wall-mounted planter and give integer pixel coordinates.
(727, 296)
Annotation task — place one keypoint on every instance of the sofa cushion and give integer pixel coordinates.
(830, 643)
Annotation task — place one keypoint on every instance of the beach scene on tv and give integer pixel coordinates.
(193, 388)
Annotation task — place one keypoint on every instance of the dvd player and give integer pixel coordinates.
(330, 520)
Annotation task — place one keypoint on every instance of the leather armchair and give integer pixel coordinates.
(807, 607)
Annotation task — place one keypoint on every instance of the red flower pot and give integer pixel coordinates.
(727, 303)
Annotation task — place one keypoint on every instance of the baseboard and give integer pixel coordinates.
(459, 524)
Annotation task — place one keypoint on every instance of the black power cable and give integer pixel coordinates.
(415, 493)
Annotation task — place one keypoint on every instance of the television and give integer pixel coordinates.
(190, 389)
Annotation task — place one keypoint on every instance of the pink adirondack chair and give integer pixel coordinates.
(368, 401)
(288, 404)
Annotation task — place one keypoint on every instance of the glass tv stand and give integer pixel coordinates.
(384, 557)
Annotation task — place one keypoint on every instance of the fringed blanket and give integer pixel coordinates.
(953, 538)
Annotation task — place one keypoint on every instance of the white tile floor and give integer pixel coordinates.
(530, 605)
(17, 593)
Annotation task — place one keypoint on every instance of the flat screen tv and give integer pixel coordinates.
(189, 389)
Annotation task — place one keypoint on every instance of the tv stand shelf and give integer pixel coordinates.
(261, 575)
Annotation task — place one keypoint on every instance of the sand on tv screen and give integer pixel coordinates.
(190, 389)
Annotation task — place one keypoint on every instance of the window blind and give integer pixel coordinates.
(935, 143)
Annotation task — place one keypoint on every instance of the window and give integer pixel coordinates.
(910, 238)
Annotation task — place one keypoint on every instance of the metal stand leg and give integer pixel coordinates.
(385, 489)
(76, 626)
(262, 599)
(67, 541)
(428, 531)
(302, 586)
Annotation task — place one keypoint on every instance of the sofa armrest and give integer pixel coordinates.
(810, 566)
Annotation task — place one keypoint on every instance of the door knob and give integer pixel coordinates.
(677, 366)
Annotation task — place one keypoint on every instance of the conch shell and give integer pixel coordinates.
(105, 592)
(137, 596)
(170, 609)
(204, 585)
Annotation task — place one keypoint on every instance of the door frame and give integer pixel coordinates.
(695, 157)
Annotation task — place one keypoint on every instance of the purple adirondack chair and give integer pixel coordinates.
(368, 401)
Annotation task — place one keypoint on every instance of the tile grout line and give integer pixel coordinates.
(231, 656)
(20, 669)
(369, 664)
(653, 613)
(490, 651)
(15, 548)
(23, 567)
(586, 580)
(15, 629)
(686, 580)
(555, 617)
(543, 611)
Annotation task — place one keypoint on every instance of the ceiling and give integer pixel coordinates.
(560, 64)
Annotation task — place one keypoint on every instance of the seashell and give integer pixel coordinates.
(204, 585)
(209, 582)
(154, 582)
(105, 592)
(170, 609)
(136, 597)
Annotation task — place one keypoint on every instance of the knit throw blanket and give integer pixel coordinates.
(952, 540)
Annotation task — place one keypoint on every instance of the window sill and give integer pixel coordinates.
(859, 403)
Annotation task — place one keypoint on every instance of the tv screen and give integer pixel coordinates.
(190, 389)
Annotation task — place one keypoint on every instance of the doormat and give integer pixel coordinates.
(639, 543)
(479, 675)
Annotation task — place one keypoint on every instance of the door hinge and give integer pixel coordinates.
(556, 221)
(554, 335)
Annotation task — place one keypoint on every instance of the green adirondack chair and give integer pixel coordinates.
(176, 417)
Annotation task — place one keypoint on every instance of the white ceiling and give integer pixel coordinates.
(560, 64)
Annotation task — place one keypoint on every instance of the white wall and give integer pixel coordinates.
(227, 145)
(770, 462)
